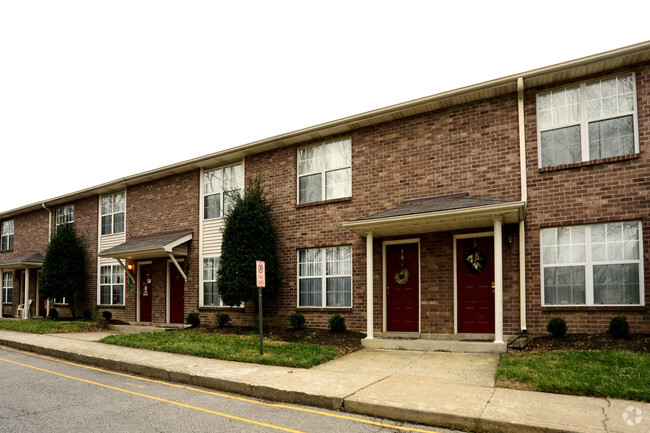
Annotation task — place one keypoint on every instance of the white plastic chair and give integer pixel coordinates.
(21, 307)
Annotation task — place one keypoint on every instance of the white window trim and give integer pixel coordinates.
(99, 284)
(324, 279)
(66, 210)
(222, 193)
(5, 288)
(323, 171)
(7, 235)
(112, 214)
(589, 264)
(202, 286)
(584, 120)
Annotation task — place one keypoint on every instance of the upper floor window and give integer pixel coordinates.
(597, 264)
(65, 215)
(219, 187)
(112, 213)
(325, 277)
(324, 171)
(590, 121)
(7, 238)
(7, 287)
(111, 285)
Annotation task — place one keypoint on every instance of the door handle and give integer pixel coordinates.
(493, 286)
(387, 290)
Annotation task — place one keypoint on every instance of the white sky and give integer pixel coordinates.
(91, 91)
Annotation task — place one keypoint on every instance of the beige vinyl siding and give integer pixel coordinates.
(212, 236)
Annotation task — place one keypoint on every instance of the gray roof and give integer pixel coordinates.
(30, 258)
(435, 204)
(151, 246)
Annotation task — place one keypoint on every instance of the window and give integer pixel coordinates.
(324, 171)
(597, 264)
(7, 235)
(325, 277)
(113, 207)
(65, 215)
(7, 287)
(210, 295)
(590, 121)
(219, 186)
(111, 285)
(60, 301)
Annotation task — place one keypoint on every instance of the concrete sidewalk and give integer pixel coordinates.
(442, 389)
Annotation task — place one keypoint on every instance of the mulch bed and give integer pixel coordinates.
(639, 343)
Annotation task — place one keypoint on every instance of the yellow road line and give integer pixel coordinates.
(225, 415)
(232, 397)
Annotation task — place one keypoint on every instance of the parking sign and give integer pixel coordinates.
(260, 271)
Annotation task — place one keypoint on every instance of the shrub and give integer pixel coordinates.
(223, 319)
(54, 314)
(107, 315)
(619, 327)
(193, 319)
(337, 323)
(86, 314)
(297, 321)
(42, 312)
(557, 327)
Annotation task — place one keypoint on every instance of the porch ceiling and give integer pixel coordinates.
(435, 214)
(31, 259)
(151, 247)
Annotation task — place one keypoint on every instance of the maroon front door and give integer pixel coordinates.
(145, 293)
(402, 288)
(475, 277)
(176, 295)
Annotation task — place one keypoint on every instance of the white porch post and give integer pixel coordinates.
(498, 281)
(370, 310)
(26, 304)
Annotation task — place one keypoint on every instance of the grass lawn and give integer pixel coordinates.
(244, 348)
(594, 373)
(46, 326)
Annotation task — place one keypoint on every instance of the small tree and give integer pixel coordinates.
(64, 268)
(249, 235)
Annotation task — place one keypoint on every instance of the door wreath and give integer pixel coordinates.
(402, 277)
(474, 260)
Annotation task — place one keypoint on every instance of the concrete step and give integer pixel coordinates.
(136, 329)
(435, 345)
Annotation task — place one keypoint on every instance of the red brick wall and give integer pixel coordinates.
(585, 193)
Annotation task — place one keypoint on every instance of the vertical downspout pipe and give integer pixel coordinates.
(49, 237)
(524, 198)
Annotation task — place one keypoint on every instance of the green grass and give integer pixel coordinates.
(243, 348)
(597, 373)
(46, 326)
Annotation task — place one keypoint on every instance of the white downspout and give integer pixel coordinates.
(49, 237)
(524, 198)
(370, 309)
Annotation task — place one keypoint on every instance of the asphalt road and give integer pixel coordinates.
(42, 394)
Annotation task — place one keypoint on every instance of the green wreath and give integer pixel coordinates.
(475, 260)
(402, 277)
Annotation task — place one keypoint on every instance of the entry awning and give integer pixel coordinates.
(435, 214)
(31, 259)
(151, 247)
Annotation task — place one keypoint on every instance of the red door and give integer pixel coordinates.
(475, 276)
(176, 295)
(402, 288)
(145, 293)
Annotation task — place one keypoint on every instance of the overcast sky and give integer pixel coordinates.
(91, 91)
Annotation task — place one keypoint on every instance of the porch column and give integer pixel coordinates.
(370, 310)
(26, 304)
(498, 280)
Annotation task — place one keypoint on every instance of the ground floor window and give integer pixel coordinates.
(60, 301)
(325, 277)
(111, 285)
(598, 264)
(7, 287)
(210, 295)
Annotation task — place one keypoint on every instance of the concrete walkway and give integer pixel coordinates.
(442, 389)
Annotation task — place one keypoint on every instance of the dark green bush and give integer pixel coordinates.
(107, 315)
(337, 323)
(86, 314)
(42, 312)
(193, 319)
(619, 327)
(557, 327)
(223, 319)
(297, 321)
(54, 314)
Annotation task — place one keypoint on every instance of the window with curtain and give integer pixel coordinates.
(598, 264)
(325, 277)
(324, 171)
(65, 215)
(7, 235)
(7, 287)
(113, 208)
(210, 295)
(111, 285)
(219, 188)
(593, 120)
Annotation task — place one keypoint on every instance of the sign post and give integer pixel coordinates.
(260, 274)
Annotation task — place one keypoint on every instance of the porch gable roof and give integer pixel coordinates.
(441, 213)
(149, 247)
(31, 259)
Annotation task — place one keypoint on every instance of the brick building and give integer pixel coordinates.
(475, 213)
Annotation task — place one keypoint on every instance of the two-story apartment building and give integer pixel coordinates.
(476, 213)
